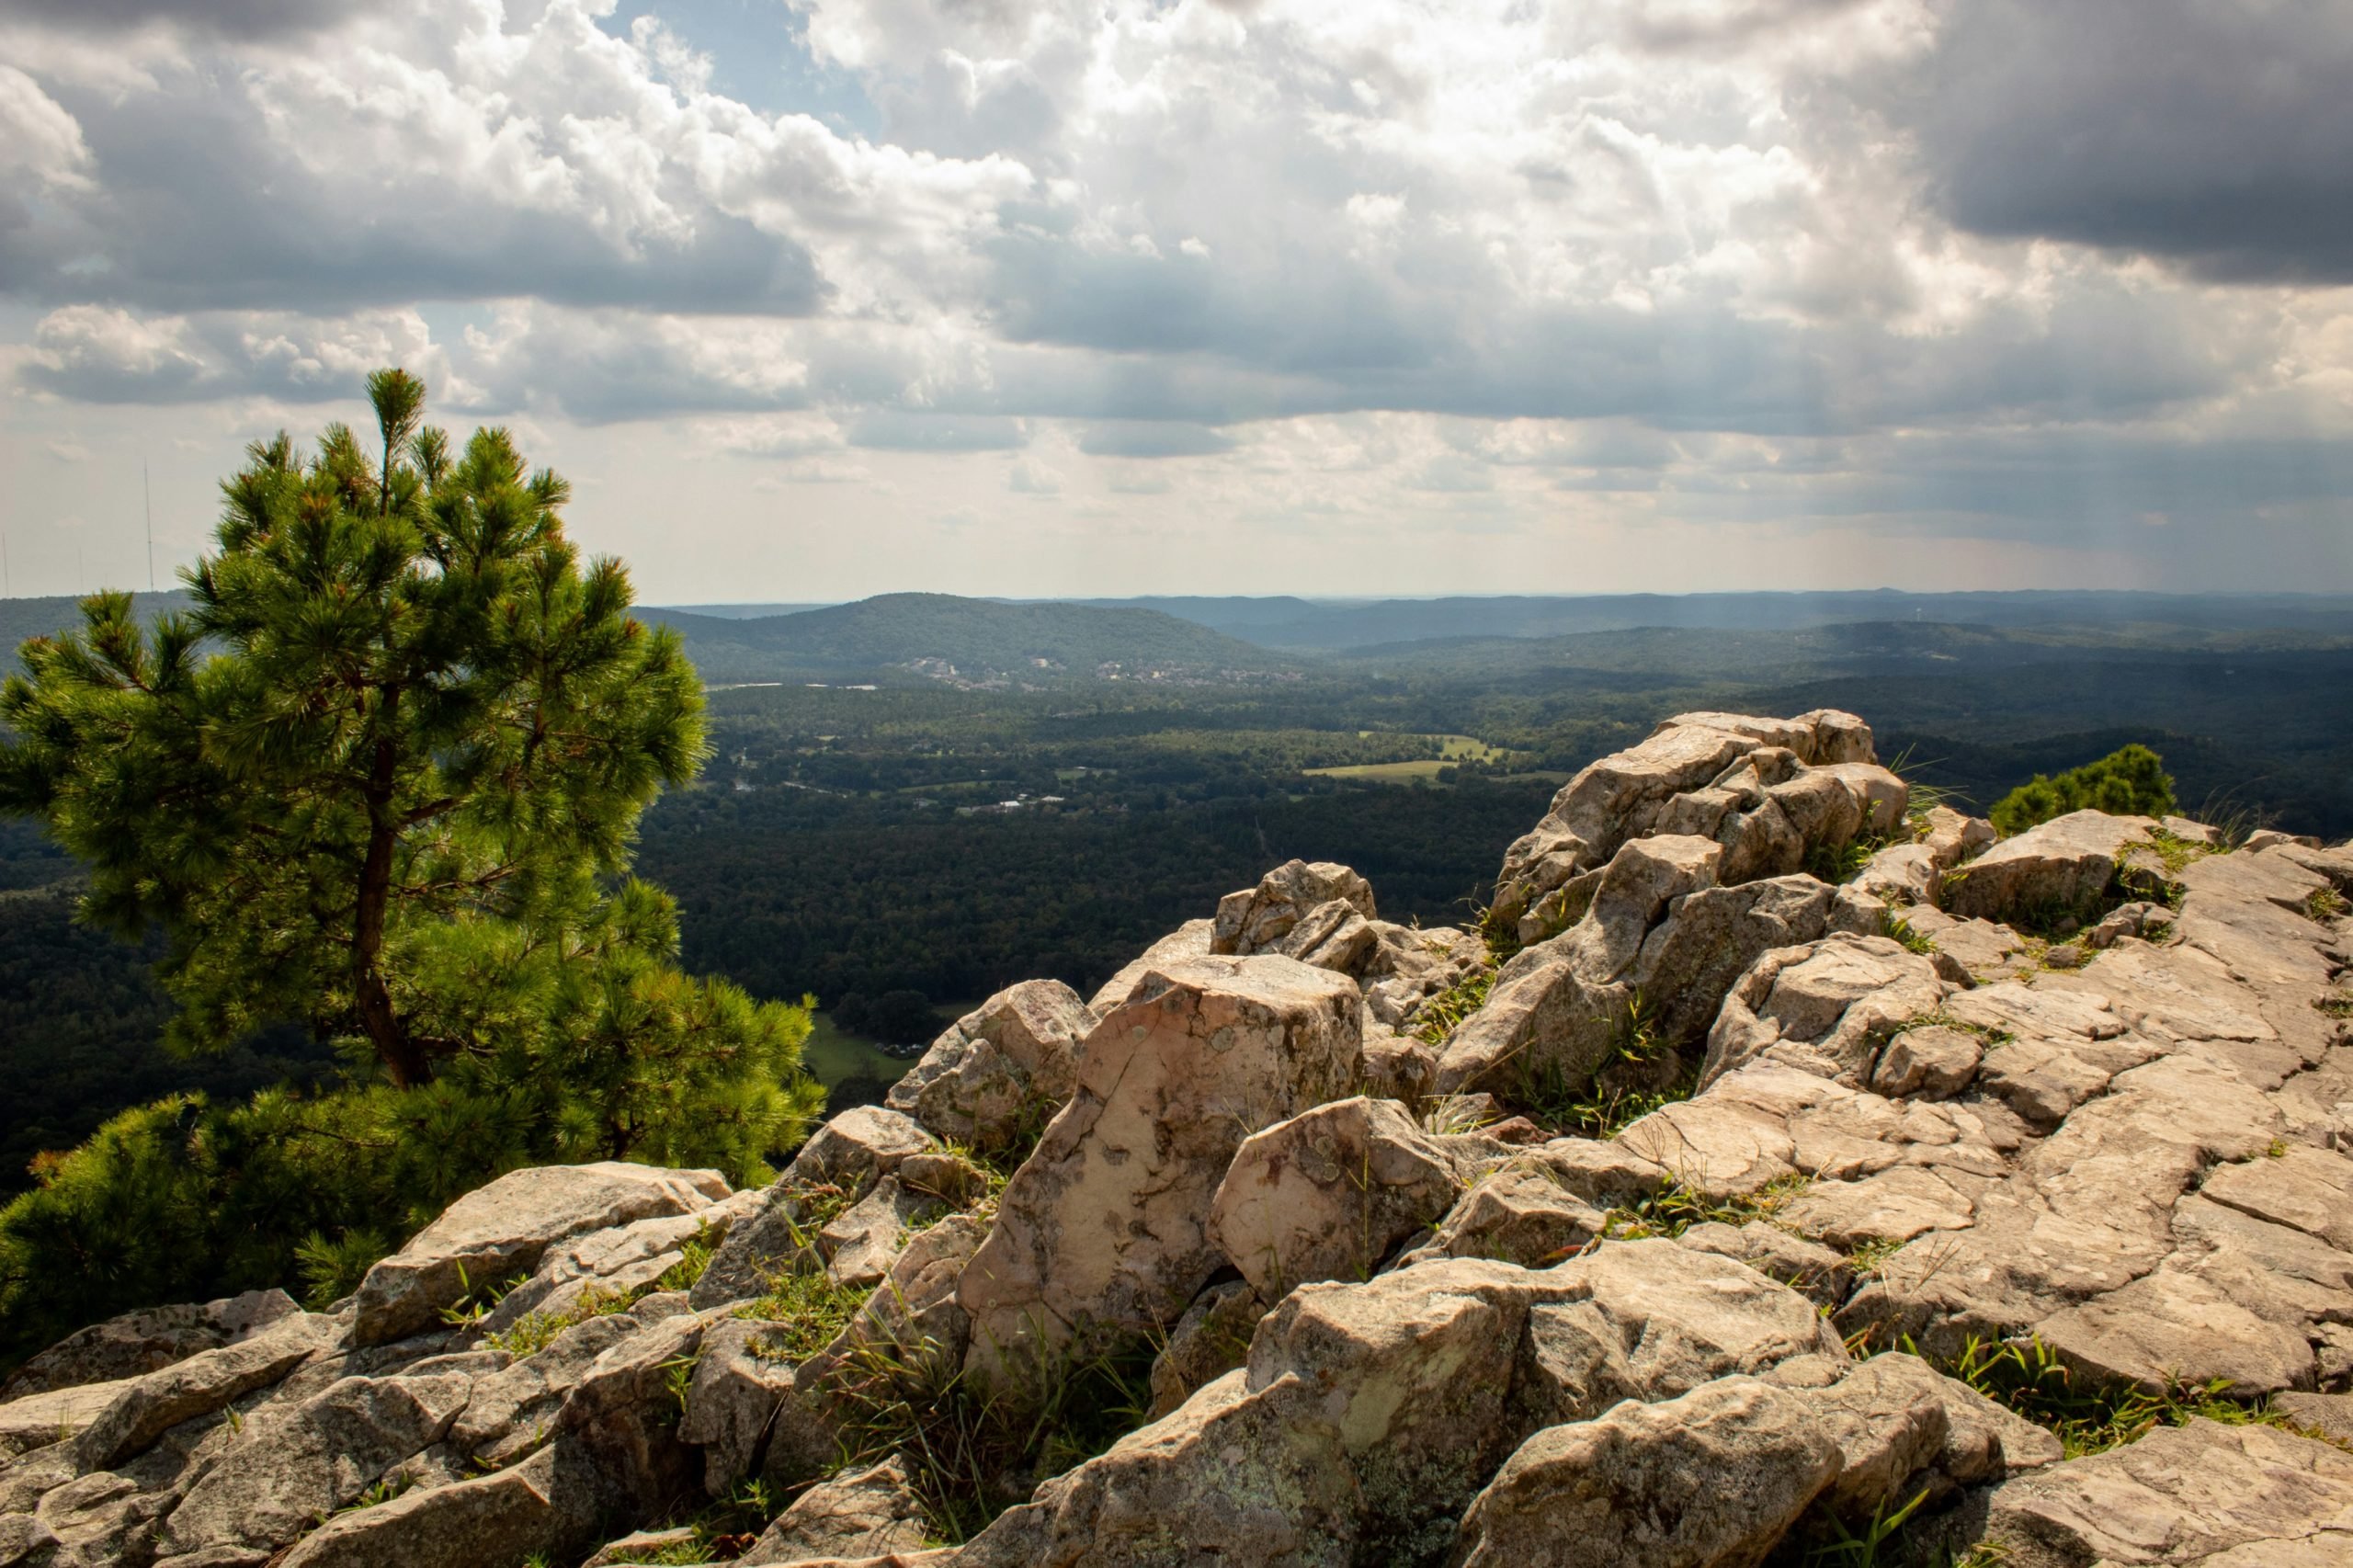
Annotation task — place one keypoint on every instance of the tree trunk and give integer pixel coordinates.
(407, 1064)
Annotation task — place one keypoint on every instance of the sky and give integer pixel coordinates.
(816, 298)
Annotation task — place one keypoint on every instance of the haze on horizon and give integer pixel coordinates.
(818, 298)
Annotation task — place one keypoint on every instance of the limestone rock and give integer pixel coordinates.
(866, 1514)
(1104, 1229)
(2063, 867)
(1814, 1272)
(1561, 1006)
(999, 1073)
(145, 1341)
(1208, 1341)
(264, 1492)
(1520, 1214)
(1832, 1003)
(861, 1242)
(1370, 1415)
(640, 1546)
(1260, 919)
(1624, 796)
(57, 1415)
(1714, 1477)
(1327, 1194)
(2181, 1494)
(198, 1386)
(847, 1155)
(1191, 940)
(509, 1411)
(501, 1230)
(731, 1402)
(622, 1417)
(548, 1503)
(1932, 1064)
(855, 1150)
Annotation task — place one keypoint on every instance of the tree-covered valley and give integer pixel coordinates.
(868, 828)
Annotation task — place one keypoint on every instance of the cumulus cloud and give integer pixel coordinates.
(1746, 258)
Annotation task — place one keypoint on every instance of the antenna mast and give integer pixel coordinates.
(148, 489)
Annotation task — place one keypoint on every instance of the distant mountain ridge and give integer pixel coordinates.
(1298, 623)
(970, 641)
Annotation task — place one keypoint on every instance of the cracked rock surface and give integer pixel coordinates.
(1690, 1242)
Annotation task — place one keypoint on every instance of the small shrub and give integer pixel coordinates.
(2326, 903)
(2130, 781)
(972, 1451)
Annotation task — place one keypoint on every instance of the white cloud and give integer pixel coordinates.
(1702, 255)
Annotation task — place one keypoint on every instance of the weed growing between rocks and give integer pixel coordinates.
(1901, 930)
(1678, 1206)
(2088, 1416)
(534, 1332)
(1443, 1014)
(974, 1450)
(804, 1310)
(2326, 904)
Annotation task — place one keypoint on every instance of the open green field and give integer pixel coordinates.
(1451, 749)
(1384, 772)
(832, 1055)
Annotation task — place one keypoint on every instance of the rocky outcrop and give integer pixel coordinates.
(998, 1074)
(2083, 1122)
(1104, 1231)
(1766, 789)
(485, 1238)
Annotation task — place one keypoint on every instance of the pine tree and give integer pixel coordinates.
(384, 779)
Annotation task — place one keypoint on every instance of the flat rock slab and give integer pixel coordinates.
(502, 1229)
(2181, 1496)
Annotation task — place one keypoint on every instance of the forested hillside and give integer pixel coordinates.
(934, 837)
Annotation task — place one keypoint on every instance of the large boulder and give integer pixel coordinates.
(145, 1341)
(498, 1232)
(547, 1505)
(1328, 1194)
(1104, 1231)
(1830, 1006)
(2061, 870)
(2202, 1493)
(1296, 908)
(1715, 1477)
(1371, 1415)
(147, 1407)
(1562, 1005)
(299, 1468)
(997, 1075)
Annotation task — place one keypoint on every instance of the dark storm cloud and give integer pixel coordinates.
(223, 18)
(2215, 133)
